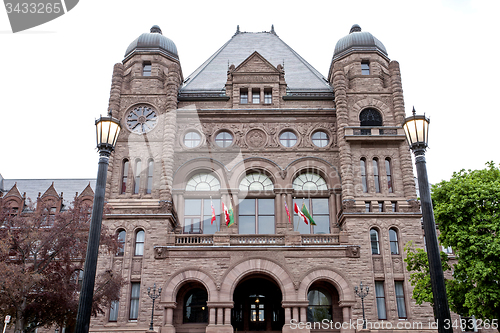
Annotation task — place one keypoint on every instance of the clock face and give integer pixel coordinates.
(141, 119)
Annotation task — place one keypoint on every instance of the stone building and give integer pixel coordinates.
(255, 130)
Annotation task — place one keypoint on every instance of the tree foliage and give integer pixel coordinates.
(41, 254)
(467, 210)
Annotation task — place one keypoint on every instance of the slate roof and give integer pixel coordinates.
(32, 187)
(211, 76)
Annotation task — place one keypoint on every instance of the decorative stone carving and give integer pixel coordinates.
(136, 266)
(161, 252)
(397, 265)
(352, 252)
(378, 265)
(256, 138)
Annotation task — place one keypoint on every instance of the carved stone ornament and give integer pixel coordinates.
(161, 252)
(256, 138)
(348, 205)
(352, 252)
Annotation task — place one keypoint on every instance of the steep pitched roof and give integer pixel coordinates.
(34, 186)
(211, 76)
(14, 192)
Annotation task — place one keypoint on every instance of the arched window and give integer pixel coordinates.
(374, 241)
(195, 306)
(149, 183)
(308, 184)
(203, 182)
(375, 175)
(388, 174)
(370, 117)
(121, 240)
(320, 305)
(309, 181)
(198, 212)
(124, 176)
(256, 215)
(393, 238)
(137, 177)
(139, 243)
(362, 165)
(256, 181)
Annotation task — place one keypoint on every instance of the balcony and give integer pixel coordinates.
(293, 239)
(374, 133)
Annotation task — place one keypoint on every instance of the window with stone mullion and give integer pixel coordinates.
(256, 216)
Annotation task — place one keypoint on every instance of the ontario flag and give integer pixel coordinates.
(297, 210)
(304, 213)
(228, 214)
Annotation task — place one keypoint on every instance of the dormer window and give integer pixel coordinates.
(256, 96)
(146, 68)
(268, 96)
(244, 96)
(365, 68)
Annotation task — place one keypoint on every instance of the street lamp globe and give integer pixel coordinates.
(417, 131)
(107, 131)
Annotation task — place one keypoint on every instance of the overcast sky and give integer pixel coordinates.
(56, 78)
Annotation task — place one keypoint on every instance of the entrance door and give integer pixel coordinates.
(257, 306)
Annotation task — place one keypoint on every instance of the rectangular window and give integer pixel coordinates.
(256, 216)
(318, 209)
(394, 206)
(367, 207)
(400, 299)
(113, 311)
(362, 165)
(365, 68)
(380, 206)
(268, 96)
(134, 301)
(198, 216)
(244, 96)
(380, 295)
(375, 175)
(256, 96)
(146, 69)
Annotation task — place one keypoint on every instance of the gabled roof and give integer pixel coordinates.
(51, 191)
(32, 187)
(211, 76)
(14, 192)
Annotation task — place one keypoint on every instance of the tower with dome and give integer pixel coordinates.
(256, 192)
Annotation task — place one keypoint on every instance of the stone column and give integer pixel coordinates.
(296, 313)
(227, 316)
(168, 317)
(346, 316)
(212, 319)
(170, 129)
(220, 316)
(303, 314)
(346, 168)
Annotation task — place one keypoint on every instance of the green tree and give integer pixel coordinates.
(40, 260)
(467, 210)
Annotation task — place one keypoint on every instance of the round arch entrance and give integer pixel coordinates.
(257, 305)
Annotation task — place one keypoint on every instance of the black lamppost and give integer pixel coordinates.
(153, 295)
(362, 294)
(417, 132)
(107, 130)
